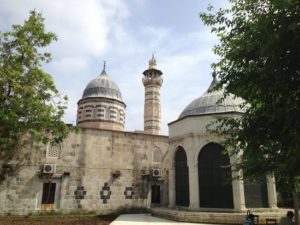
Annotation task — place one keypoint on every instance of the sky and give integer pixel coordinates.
(125, 33)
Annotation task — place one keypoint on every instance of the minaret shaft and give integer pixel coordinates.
(152, 111)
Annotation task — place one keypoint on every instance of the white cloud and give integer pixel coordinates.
(92, 30)
(69, 65)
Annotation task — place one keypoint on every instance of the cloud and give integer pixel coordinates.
(69, 65)
(83, 30)
(82, 27)
(92, 30)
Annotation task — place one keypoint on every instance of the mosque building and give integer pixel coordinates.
(104, 168)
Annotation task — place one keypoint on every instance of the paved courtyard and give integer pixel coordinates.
(145, 219)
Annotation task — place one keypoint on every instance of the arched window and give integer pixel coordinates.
(181, 178)
(215, 184)
(156, 156)
(53, 150)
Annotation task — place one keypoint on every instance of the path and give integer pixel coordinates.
(146, 219)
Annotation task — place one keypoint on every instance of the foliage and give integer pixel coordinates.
(30, 102)
(259, 50)
(259, 61)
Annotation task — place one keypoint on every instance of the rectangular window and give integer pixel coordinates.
(48, 193)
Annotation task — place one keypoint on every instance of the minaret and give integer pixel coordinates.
(152, 81)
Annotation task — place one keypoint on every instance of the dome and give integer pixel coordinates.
(208, 103)
(102, 86)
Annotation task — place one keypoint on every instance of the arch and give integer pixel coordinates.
(181, 178)
(215, 185)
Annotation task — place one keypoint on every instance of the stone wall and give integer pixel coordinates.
(97, 170)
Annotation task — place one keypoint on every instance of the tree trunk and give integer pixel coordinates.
(296, 208)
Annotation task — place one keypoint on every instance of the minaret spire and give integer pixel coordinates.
(152, 62)
(103, 73)
(152, 81)
(213, 84)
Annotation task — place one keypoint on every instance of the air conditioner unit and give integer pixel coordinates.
(49, 168)
(156, 172)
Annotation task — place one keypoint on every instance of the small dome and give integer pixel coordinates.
(102, 86)
(208, 103)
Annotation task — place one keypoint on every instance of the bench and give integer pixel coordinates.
(271, 222)
(256, 220)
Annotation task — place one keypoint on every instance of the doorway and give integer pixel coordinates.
(215, 183)
(155, 194)
(182, 192)
(48, 196)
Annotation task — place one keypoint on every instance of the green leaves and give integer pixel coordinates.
(260, 61)
(30, 103)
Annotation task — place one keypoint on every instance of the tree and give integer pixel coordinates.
(259, 60)
(30, 105)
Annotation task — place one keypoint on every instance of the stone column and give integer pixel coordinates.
(238, 193)
(237, 188)
(172, 187)
(194, 185)
(272, 197)
(149, 195)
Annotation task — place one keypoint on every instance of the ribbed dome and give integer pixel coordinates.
(208, 103)
(102, 86)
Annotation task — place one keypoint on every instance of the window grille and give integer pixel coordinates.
(156, 156)
(53, 150)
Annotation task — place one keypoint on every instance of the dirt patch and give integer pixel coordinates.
(60, 220)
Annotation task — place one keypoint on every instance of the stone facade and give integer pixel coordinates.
(97, 170)
(102, 168)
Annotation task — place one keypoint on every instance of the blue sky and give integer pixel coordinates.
(125, 34)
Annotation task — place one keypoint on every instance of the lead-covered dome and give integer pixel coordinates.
(102, 86)
(209, 103)
(101, 105)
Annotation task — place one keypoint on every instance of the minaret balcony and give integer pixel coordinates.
(152, 81)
